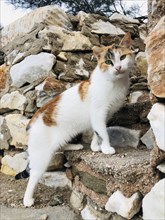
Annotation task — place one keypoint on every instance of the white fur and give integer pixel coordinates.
(107, 92)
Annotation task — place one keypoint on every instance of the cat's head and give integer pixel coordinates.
(116, 60)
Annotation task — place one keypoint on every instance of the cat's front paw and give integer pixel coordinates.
(95, 147)
(108, 150)
(28, 202)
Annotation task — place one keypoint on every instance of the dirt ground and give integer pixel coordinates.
(12, 192)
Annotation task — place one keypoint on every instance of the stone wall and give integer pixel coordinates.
(47, 52)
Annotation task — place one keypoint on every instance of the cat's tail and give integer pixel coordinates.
(24, 174)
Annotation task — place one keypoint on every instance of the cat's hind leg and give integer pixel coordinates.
(40, 149)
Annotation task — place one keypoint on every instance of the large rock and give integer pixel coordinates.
(154, 202)
(102, 27)
(16, 123)
(71, 40)
(49, 15)
(55, 179)
(155, 53)
(15, 164)
(32, 68)
(11, 101)
(148, 139)
(157, 121)
(123, 18)
(141, 63)
(126, 207)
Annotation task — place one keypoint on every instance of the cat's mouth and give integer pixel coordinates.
(119, 73)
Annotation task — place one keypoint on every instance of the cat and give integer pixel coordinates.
(82, 107)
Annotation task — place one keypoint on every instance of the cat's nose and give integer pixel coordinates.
(118, 68)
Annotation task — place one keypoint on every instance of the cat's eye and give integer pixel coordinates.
(122, 57)
(109, 62)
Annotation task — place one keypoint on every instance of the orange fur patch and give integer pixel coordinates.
(83, 89)
(49, 111)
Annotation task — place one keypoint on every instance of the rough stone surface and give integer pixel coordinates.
(47, 15)
(155, 54)
(90, 213)
(15, 164)
(123, 18)
(57, 162)
(55, 179)
(157, 122)
(154, 202)
(12, 101)
(148, 139)
(60, 212)
(101, 27)
(122, 137)
(157, 156)
(126, 207)
(17, 124)
(71, 40)
(156, 10)
(76, 200)
(128, 171)
(32, 68)
(141, 63)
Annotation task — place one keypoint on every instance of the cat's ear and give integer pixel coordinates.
(97, 51)
(126, 41)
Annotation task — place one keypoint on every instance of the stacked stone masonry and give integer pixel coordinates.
(51, 52)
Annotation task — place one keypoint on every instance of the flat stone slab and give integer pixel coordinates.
(128, 170)
(51, 213)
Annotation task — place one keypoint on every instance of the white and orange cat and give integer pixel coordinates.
(82, 107)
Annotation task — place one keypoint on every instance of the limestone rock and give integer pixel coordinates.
(62, 56)
(76, 200)
(157, 122)
(11, 101)
(141, 63)
(101, 27)
(90, 213)
(80, 70)
(155, 44)
(123, 18)
(72, 40)
(55, 179)
(154, 202)
(49, 15)
(15, 164)
(32, 68)
(161, 167)
(157, 156)
(148, 139)
(126, 207)
(122, 137)
(134, 96)
(5, 136)
(17, 124)
(57, 162)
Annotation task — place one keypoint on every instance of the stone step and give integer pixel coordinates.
(98, 175)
